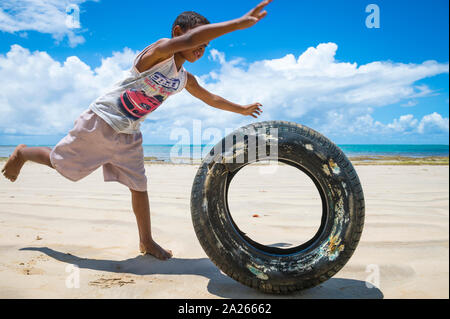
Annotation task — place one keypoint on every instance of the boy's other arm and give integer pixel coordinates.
(218, 102)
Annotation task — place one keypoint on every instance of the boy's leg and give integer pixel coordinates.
(21, 154)
(141, 208)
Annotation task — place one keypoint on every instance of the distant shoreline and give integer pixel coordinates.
(356, 160)
(399, 160)
(360, 153)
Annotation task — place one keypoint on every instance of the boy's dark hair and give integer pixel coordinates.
(188, 20)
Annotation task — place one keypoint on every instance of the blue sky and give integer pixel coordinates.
(405, 99)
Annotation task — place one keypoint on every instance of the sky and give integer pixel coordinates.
(357, 73)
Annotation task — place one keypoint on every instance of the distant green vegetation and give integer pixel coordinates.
(399, 160)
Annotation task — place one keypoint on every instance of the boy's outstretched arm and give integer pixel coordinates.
(201, 35)
(218, 102)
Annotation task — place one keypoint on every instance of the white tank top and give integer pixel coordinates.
(129, 101)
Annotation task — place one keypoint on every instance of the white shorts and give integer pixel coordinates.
(93, 143)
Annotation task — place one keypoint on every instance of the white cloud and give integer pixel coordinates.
(433, 123)
(45, 16)
(42, 96)
(314, 89)
(410, 103)
(406, 123)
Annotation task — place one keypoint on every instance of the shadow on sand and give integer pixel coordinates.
(219, 284)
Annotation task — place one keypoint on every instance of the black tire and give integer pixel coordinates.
(271, 269)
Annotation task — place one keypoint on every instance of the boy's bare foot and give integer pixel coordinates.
(15, 162)
(155, 250)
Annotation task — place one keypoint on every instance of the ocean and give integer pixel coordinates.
(166, 152)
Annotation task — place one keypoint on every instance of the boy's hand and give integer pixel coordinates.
(252, 109)
(252, 17)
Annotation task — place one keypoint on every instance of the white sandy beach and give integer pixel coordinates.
(48, 223)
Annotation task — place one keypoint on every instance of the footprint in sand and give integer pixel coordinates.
(32, 271)
(111, 282)
(27, 268)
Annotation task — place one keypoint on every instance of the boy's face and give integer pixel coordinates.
(191, 55)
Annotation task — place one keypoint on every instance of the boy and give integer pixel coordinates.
(108, 135)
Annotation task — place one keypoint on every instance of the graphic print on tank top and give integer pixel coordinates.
(148, 95)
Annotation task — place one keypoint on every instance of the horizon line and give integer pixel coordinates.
(338, 144)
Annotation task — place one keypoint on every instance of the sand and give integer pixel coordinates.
(48, 224)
